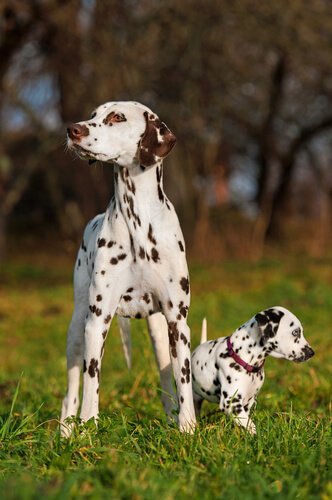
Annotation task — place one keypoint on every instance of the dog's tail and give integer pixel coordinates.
(204, 331)
(124, 326)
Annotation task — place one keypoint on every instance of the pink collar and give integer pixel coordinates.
(239, 361)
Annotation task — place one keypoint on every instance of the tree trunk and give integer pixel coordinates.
(3, 236)
(267, 156)
(267, 145)
(288, 163)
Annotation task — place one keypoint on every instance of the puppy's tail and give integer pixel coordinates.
(124, 326)
(204, 331)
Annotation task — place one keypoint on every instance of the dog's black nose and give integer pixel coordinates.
(308, 352)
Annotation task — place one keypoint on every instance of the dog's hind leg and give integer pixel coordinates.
(198, 401)
(158, 331)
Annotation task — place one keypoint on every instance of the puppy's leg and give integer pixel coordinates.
(242, 419)
(234, 406)
(251, 428)
(158, 330)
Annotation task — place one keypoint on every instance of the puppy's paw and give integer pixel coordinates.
(251, 428)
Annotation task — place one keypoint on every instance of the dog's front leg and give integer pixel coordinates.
(179, 340)
(75, 351)
(240, 414)
(101, 312)
(243, 420)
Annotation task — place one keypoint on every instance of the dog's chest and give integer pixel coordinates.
(119, 269)
(119, 262)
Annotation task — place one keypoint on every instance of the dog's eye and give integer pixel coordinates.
(118, 118)
(114, 118)
(296, 332)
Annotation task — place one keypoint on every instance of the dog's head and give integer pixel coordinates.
(281, 334)
(126, 133)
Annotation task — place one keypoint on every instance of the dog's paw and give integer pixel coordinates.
(66, 427)
(251, 428)
(187, 425)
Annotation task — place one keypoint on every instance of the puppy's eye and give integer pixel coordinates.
(296, 332)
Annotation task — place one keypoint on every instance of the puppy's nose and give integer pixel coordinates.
(308, 352)
(311, 352)
(76, 131)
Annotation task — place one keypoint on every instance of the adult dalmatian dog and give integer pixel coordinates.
(230, 370)
(132, 261)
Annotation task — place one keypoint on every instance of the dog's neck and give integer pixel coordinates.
(139, 199)
(144, 184)
(246, 343)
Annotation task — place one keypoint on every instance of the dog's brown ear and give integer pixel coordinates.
(157, 141)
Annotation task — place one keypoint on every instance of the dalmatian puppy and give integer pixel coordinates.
(131, 262)
(230, 370)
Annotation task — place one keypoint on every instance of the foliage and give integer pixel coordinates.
(245, 85)
(134, 453)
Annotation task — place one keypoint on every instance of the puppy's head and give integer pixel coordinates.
(281, 334)
(126, 133)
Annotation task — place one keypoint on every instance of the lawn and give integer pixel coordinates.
(134, 453)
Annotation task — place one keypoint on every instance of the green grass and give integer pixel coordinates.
(134, 453)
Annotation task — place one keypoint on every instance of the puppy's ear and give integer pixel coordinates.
(157, 141)
(268, 323)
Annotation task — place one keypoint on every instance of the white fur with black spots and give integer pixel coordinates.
(131, 262)
(230, 370)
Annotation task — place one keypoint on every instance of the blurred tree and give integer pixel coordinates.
(245, 85)
(14, 31)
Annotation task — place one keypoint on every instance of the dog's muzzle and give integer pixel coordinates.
(307, 353)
